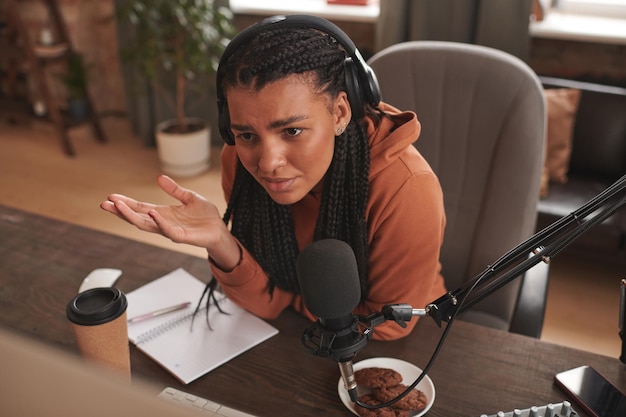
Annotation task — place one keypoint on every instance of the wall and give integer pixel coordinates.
(584, 61)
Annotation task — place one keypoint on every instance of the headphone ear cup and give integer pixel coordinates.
(354, 90)
(223, 122)
(372, 89)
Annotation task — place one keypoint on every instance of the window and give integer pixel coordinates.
(600, 8)
(601, 21)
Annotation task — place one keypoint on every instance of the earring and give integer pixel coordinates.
(340, 130)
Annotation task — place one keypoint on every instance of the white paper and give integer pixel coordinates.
(187, 352)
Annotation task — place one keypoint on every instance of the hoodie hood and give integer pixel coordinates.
(390, 136)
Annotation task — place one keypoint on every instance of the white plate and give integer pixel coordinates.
(409, 374)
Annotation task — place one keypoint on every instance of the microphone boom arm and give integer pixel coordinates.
(540, 247)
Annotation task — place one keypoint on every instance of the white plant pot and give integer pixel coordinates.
(183, 154)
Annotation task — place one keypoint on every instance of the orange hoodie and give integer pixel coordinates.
(405, 218)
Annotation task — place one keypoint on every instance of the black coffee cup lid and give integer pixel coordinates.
(96, 306)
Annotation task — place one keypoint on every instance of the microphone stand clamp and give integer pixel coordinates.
(340, 345)
(399, 313)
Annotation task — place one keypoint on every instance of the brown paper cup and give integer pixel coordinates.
(98, 318)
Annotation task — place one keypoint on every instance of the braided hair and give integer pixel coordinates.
(265, 227)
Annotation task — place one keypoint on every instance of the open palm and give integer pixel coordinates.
(195, 221)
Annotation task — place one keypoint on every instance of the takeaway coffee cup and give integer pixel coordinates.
(98, 318)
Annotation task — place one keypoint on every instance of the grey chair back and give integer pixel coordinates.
(483, 130)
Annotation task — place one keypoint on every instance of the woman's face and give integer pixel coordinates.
(285, 134)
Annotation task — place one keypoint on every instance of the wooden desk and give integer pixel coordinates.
(479, 370)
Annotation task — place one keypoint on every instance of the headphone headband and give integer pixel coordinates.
(361, 81)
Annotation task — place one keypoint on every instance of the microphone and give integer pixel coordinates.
(329, 279)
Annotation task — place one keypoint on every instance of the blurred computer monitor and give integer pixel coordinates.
(41, 380)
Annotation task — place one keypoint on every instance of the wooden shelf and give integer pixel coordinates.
(33, 57)
(60, 50)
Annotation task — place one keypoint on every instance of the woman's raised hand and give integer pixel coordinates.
(195, 221)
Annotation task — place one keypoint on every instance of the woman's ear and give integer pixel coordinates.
(342, 111)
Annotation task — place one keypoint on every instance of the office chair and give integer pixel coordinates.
(483, 129)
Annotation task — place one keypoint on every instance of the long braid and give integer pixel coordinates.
(254, 210)
(264, 227)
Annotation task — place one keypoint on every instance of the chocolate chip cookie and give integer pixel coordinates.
(414, 400)
(377, 377)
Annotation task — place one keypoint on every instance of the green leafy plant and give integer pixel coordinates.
(74, 78)
(175, 43)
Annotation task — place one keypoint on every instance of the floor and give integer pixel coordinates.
(583, 299)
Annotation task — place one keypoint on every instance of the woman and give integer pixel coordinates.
(311, 154)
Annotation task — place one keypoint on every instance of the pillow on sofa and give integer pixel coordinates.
(561, 104)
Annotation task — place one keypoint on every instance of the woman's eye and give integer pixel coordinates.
(293, 131)
(246, 137)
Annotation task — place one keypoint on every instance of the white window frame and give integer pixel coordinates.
(601, 21)
(598, 8)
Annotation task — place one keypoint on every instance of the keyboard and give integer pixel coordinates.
(563, 409)
(202, 405)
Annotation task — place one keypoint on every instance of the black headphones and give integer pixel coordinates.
(361, 84)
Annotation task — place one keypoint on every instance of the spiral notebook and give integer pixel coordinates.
(189, 352)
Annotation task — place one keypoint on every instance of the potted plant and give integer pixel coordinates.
(74, 78)
(177, 45)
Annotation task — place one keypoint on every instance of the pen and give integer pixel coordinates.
(159, 312)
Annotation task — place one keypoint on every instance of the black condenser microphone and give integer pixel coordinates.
(329, 280)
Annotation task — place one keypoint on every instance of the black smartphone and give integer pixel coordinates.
(593, 392)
